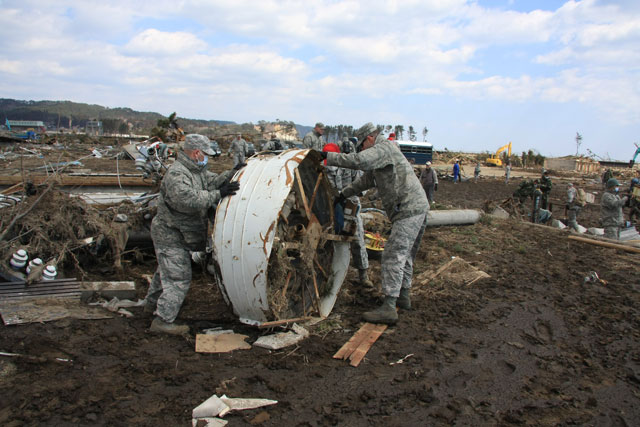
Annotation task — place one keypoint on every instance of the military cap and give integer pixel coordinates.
(366, 130)
(195, 141)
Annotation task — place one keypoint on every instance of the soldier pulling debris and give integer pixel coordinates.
(406, 205)
(187, 193)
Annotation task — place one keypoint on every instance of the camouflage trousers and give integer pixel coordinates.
(238, 158)
(399, 252)
(572, 217)
(358, 247)
(170, 282)
(612, 232)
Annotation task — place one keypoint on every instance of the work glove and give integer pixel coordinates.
(435, 187)
(229, 189)
(239, 166)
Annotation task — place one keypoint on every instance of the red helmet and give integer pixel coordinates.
(330, 148)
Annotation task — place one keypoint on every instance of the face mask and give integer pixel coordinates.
(617, 189)
(204, 161)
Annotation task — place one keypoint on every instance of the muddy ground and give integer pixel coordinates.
(533, 344)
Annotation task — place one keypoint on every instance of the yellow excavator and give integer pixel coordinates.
(494, 159)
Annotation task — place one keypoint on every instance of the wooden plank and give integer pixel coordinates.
(79, 181)
(338, 238)
(606, 244)
(282, 322)
(353, 343)
(222, 343)
(13, 189)
(303, 196)
(120, 290)
(315, 190)
(359, 353)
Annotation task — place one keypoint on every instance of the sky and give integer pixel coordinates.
(476, 73)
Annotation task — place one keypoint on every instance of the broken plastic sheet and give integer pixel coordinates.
(220, 406)
(282, 339)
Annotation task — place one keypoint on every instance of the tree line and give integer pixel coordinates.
(335, 133)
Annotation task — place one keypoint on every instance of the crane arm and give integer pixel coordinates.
(504, 147)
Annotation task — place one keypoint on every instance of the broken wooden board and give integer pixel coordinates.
(455, 271)
(221, 343)
(109, 290)
(357, 347)
(80, 181)
(33, 310)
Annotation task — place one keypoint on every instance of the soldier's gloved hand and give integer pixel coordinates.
(435, 187)
(323, 154)
(229, 189)
(239, 166)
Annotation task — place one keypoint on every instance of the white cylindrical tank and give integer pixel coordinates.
(452, 217)
(274, 248)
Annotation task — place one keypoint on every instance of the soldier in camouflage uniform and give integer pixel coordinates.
(239, 148)
(187, 192)
(313, 139)
(611, 209)
(273, 144)
(406, 205)
(341, 178)
(572, 207)
(545, 187)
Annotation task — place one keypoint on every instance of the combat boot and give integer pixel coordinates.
(386, 313)
(364, 278)
(159, 325)
(404, 300)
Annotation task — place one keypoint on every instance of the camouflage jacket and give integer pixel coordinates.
(341, 178)
(545, 184)
(186, 194)
(313, 140)
(611, 210)
(239, 146)
(385, 168)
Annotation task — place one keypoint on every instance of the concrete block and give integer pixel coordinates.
(498, 212)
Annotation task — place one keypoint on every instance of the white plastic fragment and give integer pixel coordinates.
(220, 406)
(282, 339)
(208, 422)
(217, 331)
(212, 407)
(596, 231)
(581, 229)
(240, 404)
(558, 224)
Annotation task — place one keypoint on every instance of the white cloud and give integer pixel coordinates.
(306, 58)
(158, 43)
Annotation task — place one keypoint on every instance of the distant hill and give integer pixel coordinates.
(67, 114)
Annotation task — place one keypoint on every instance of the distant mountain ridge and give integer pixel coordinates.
(65, 114)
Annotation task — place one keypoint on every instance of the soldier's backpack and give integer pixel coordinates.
(581, 197)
